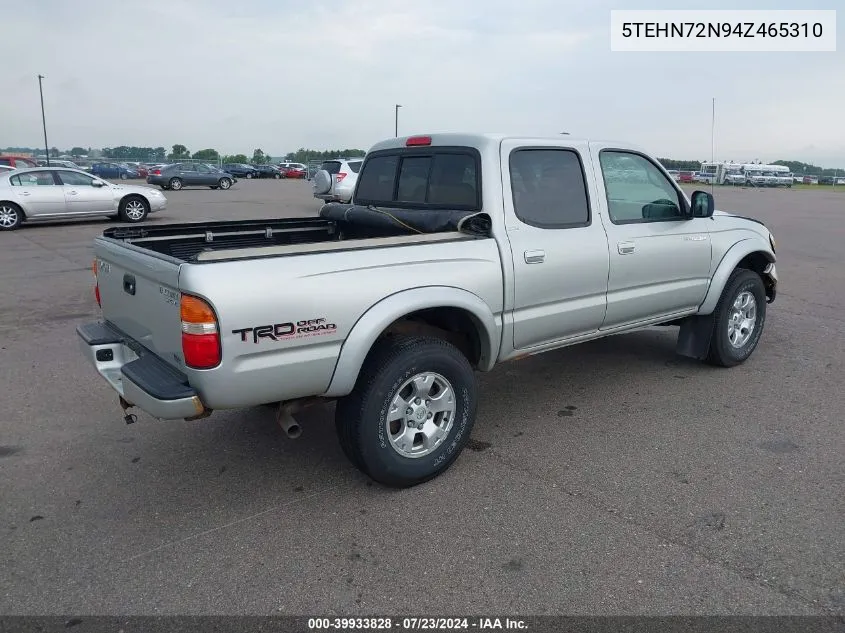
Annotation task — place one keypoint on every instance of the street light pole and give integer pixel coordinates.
(43, 119)
(396, 120)
(713, 140)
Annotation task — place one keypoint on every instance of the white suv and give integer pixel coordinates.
(335, 180)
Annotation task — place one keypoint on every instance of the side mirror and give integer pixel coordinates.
(702, 204)
(98, 183)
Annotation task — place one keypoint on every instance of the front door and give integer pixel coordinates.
(659, 256)
(205, 175)
(559, 247)
(39, 193)
(83, 197)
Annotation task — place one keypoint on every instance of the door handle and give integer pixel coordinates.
(626, 248)
(71, 193)
(25, 193)
(535, 257)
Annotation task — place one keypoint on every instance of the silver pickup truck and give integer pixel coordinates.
(457, 252)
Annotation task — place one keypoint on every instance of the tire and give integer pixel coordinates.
(277, 176)
(224, 183)
(741, 284)
(175, 184)
(11, 216)
(123, 176)
(164, 187)
(323, 182)
(249, 174)
(361, 418)
(214, 187)
(134, 209)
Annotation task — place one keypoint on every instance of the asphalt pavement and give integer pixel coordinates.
(609, 478)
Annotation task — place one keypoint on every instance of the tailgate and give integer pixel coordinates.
(139, 294)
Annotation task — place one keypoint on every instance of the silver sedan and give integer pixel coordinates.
(46, 193)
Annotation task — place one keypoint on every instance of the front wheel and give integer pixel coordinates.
(224, 183)
(249, 174)
(124, 176)
(277, 176)
(411, 411)
(738, 320)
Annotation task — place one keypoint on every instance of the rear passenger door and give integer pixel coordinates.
(560, 252)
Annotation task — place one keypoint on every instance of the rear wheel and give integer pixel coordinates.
(277, 176)
(411, 411)
(224, 183)
(175, 184)
(11, 216)
(214, 187)
(738, 320)
(249, 174)
(124, 175)
(133, 209)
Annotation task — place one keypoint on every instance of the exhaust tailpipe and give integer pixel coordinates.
(286, 411)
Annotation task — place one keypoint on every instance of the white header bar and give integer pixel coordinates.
(734, 31)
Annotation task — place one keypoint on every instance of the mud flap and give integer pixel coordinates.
(694, 337)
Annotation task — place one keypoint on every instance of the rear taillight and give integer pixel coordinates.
(200, 335)
(96, 284)
(338, 177)
(156, 172)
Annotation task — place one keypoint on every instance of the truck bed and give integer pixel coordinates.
(224, 240)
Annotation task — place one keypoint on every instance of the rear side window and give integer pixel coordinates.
(331, 166)
(355, 165)
(549, 188)
(433, 178)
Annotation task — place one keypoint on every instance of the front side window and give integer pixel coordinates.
(549, 188)
(637, 191)
(75, 179)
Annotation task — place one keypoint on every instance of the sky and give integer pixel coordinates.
(282, 74)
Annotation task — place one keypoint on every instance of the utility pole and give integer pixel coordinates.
(713, 140)
(396, 120)
(43, 118)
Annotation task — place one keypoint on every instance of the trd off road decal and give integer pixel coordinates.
(286, 331)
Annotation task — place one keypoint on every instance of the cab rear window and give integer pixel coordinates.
(426, 178)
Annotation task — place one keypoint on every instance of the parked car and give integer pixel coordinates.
(293, 170)
(336, 179)
(180, 175)
(686, 176)
(674, 173)
(17, 161)
(59, 163)
(120, 171)
(268, 171)
(455, 255)
(46, 193)
(810, 180)
(241, 170)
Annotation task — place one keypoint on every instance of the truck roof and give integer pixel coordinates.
(486, 141)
